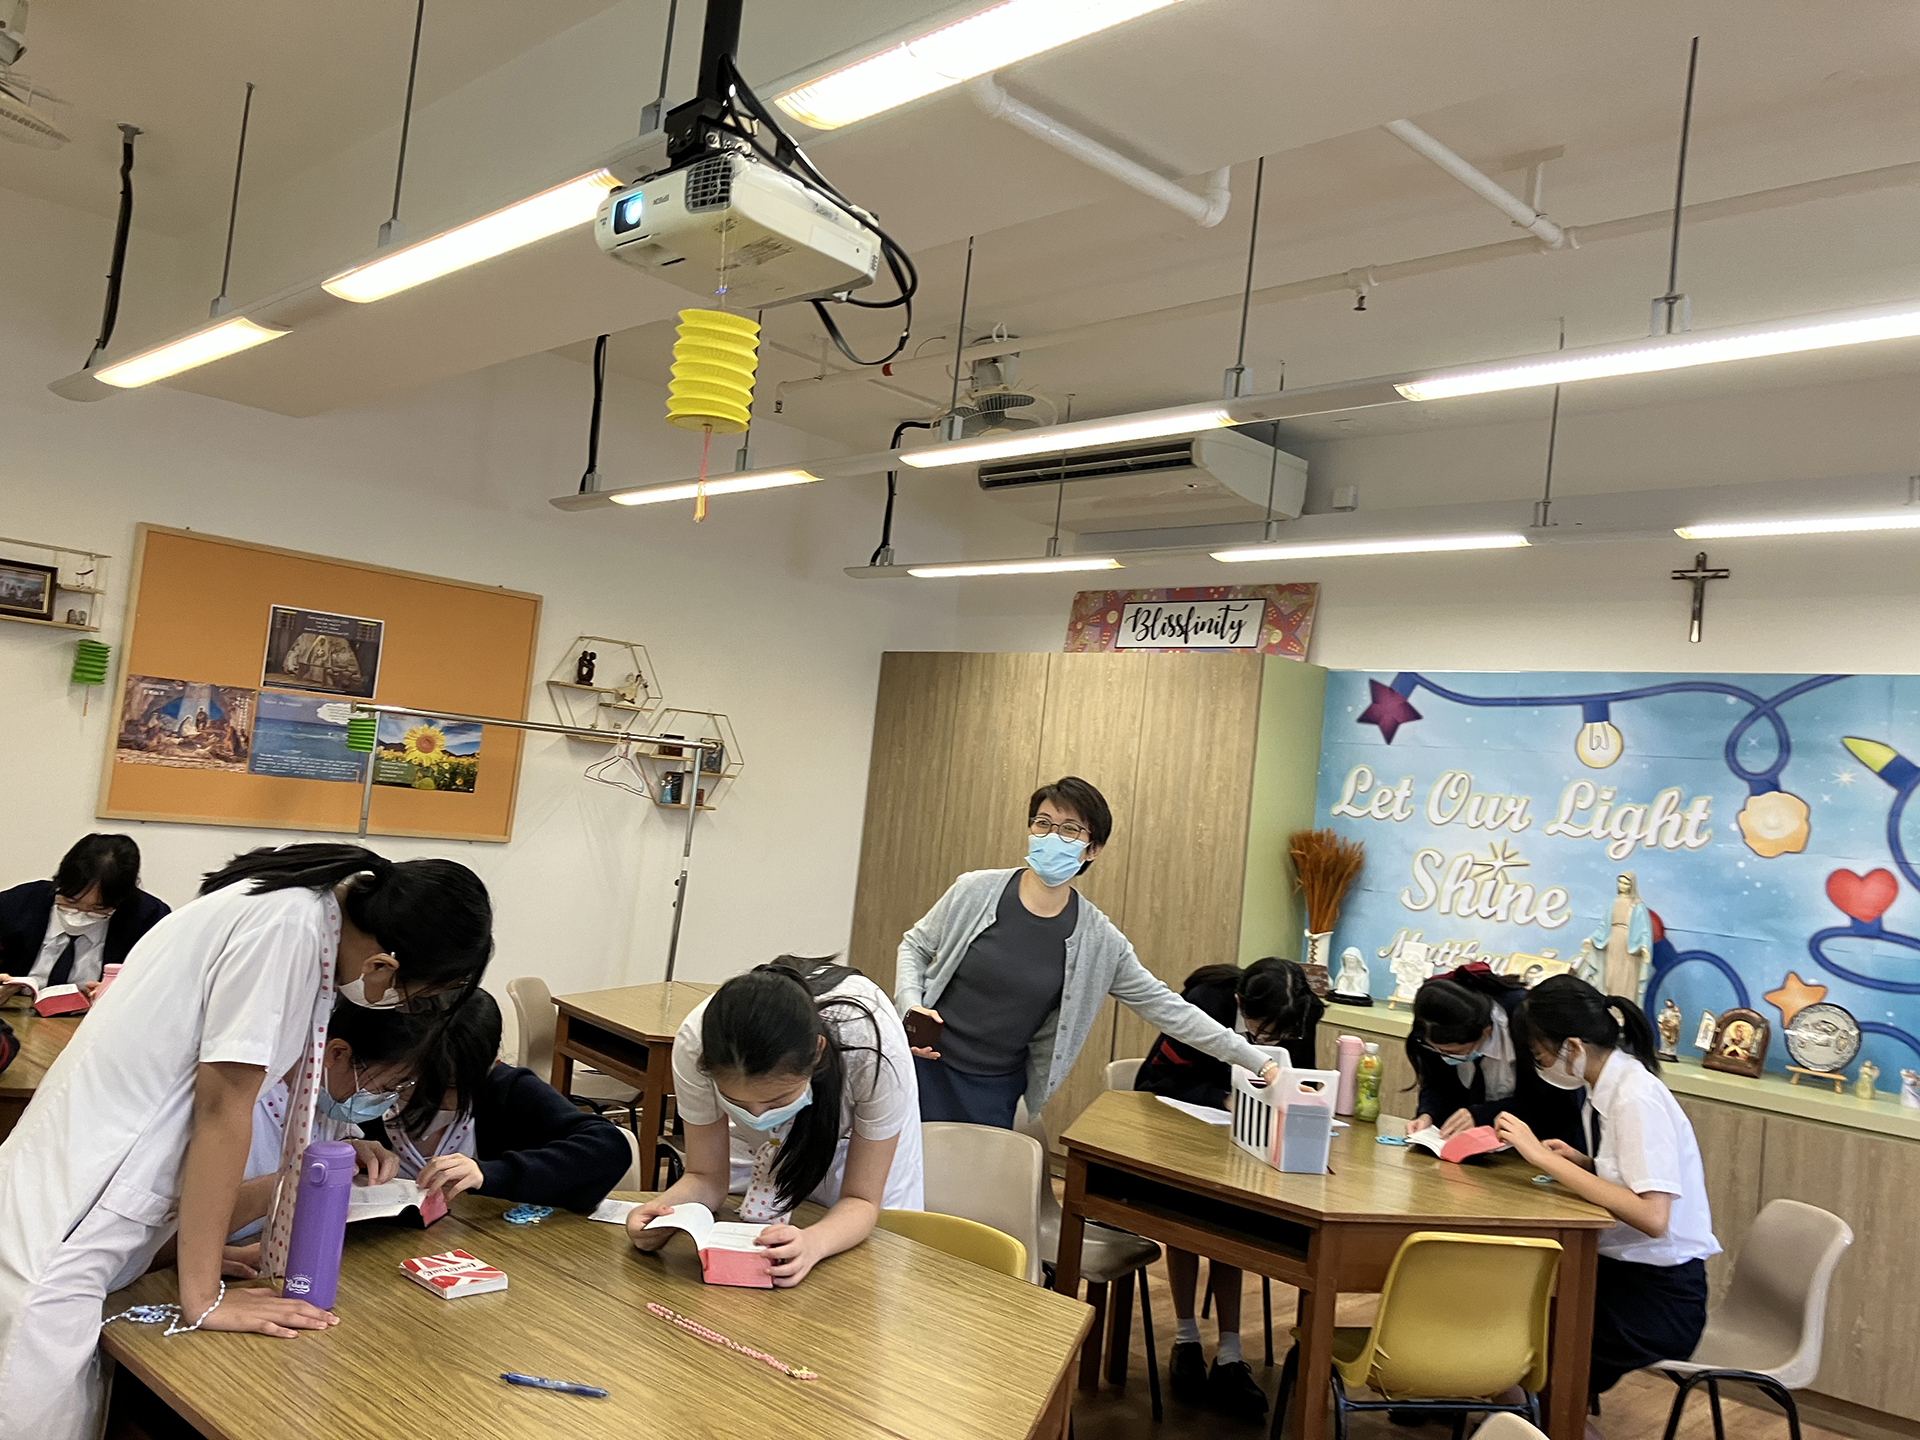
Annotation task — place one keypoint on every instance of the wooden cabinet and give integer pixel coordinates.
(1179, 744)
(1732, 1142)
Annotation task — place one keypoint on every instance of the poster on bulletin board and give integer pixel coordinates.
(1750, 833)
(242, 663)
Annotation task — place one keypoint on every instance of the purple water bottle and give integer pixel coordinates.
(319, 1223)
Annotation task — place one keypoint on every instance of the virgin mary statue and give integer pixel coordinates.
(1616, 957)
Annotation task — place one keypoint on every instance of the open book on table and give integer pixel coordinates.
(398, 1199)
(1480, 1140)
(728, 1255)
(48, 1000)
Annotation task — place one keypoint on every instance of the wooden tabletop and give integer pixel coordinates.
(1366, 1181)
(909, 1343)
(647, 1014)
(41, 1041)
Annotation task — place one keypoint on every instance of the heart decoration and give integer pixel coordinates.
(1864, 897)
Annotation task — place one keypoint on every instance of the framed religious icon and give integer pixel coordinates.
(26, 589)
(1740, 1039)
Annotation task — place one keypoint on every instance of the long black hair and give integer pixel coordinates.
(111, 861)
(1568, 1008)
(1275, 995)
(772, 1021)
(452, 1054)
(432, 916)
(1455, 1009)
(393, 1038)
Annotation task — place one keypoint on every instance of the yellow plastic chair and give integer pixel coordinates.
(967, 1239)
(1462, 1319)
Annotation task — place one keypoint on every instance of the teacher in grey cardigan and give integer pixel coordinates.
(1014, 964)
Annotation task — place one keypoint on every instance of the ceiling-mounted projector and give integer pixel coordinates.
(731, 225)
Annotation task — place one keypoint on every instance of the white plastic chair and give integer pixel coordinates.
(1107, 1257)
(1121, 1073)
(1507, 1426)
(989, 1175)
(1768, 1331)
(537, 1020)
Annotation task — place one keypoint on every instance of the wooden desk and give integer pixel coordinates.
(909, 1342)
(1143, 1166)
(41, 1042)
(628, 1034)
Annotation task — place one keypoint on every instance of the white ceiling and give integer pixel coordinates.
(1788, 92)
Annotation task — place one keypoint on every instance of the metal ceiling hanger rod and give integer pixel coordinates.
(391, 229)
(1672, 313)
(1238, 382)
(221, 304)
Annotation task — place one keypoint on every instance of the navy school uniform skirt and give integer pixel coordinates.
(1643, 1314)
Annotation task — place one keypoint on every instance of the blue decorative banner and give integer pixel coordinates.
(1761, 817)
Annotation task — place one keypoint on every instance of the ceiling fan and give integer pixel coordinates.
(20, 121)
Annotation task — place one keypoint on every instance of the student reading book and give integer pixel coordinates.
(1469, 1048)
(795, 1083)
(730, 1252)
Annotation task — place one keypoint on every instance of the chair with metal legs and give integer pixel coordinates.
(1768, 1330)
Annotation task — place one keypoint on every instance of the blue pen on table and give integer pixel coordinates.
(565, 1387)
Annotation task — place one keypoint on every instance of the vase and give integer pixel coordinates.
(1319, 948)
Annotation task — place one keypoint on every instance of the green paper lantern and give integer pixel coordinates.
(360, 732)
(90, 662)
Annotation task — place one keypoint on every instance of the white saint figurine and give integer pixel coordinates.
(1615, 959)
(1353, 978)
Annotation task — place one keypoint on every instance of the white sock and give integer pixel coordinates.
(1227, 1351)
(1186, 1332)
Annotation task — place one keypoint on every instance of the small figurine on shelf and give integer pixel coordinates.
(1703, 1037)
(629, 693)
(1669, 1024)
(583, 668)
(1353, 984)
(1863, 1084)
(1910, 1089)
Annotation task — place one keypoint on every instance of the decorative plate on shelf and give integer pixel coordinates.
(1823, 1037)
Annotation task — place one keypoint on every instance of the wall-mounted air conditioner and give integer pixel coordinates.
(1218, 478)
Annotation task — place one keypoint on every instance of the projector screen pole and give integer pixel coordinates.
(690, 788)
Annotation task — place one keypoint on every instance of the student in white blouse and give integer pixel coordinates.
(1650, 1300)
(795, 1083)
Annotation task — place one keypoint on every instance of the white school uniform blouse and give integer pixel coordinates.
(881, 1099)
(1647, 1145)
(89, 952)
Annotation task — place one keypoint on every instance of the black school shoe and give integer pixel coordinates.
(1187, 1372)
(1232, 1390)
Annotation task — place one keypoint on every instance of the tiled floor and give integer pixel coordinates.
(1636, 1409)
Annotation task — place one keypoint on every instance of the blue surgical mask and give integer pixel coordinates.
(1054, 860)
(1456, 1061)
(766, 1119)
(360, 1108)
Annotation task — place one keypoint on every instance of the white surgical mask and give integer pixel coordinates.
(1567, 1073)
(767, 1119)
(79, 922)
(354, 992)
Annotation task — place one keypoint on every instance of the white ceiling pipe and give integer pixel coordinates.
(1860, 182)
(1516, 209)
(1205, 210)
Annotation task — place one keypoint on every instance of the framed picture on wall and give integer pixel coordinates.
(26, 589)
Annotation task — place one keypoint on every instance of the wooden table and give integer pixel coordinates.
(628, 1034)
(909, 1343)
(41, 1042)
(1143, 1166)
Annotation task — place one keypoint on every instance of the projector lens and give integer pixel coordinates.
(627, 213)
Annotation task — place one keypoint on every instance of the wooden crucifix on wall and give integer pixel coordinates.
(1698, 577)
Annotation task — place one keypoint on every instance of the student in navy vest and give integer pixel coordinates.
(64, 930)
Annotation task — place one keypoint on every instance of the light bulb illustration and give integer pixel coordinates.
(1599, 743)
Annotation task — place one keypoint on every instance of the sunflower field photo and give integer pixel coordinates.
(418, 752)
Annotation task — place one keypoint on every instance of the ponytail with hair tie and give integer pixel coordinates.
(1565, 1007)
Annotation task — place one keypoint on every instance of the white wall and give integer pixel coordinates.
(747, 614)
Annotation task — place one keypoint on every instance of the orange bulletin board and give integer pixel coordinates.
(197, 612)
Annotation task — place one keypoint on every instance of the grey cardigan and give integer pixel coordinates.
(1100, 962)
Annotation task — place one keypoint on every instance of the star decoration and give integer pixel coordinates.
(1793, 996)
(1843, 777)
(1501, 857)
(1389, 710)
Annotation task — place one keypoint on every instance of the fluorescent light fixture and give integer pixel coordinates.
(1057, 565)
(975, 45)
(1675, 352)
(1333, 549)
(1818, 525)
(1084, 436)
(229, 337)
(723, 485)
(522, 223)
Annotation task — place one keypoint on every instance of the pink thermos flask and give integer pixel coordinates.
(319, 1223)
(1347, 1051)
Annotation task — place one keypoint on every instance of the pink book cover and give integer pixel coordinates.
(61, 1000)
(728, 1255)
(736, 1267)
(1480, 1140)
(454, 1274)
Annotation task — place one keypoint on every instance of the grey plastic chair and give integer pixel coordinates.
(537, 1020)
(1768, 1331)
(989, 1175)
(1121, 1073)
(1107, 1257)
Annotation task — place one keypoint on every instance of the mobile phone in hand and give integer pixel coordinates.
(923, 1030)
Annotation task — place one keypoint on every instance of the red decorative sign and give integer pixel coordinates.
(1251, 619)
